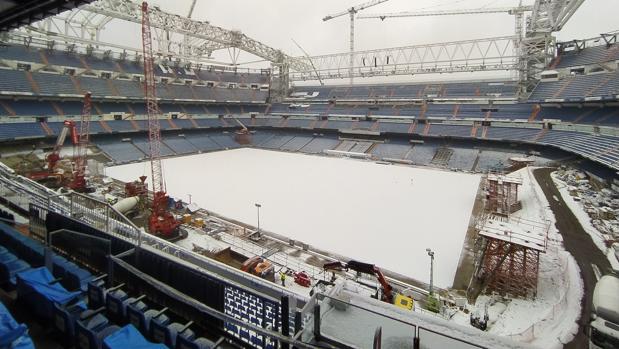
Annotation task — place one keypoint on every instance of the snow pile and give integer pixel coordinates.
(590, 200)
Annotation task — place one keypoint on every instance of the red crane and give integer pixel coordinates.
(80, 148)
(161, 221)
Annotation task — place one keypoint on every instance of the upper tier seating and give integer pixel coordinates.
(589, 55)
(579, 87)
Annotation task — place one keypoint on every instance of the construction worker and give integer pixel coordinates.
(282, 277)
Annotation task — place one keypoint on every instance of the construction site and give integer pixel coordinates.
(181, 201)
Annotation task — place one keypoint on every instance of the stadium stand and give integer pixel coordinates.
(588, 55)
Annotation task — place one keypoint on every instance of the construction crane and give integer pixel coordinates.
(78, 183)
(517, 11)
(161, 221)
(352, 12)
(50, 175)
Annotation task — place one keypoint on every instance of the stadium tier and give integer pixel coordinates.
(218, 133)
(588, 55)
(506, 89)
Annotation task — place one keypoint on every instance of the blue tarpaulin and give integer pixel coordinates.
(12, 334)
(129, 337)
(39, 279)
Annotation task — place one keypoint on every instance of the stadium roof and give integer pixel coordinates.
(14, 13)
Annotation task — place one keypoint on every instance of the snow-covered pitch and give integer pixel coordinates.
(382, 214)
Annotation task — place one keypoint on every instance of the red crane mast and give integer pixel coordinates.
(80, 147)
(161, 221)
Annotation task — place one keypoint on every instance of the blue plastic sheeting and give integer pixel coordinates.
(129, 337)
(12, 334)
(39, 279)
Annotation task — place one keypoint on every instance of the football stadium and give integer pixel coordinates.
(183, 174)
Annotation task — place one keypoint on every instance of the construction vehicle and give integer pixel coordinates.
(603, 329)
(364, 268)
(260, 267)
(161, 221)
(301, 278)
(50, 175)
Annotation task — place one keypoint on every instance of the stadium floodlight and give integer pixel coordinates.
(431, 254)
(258, 207)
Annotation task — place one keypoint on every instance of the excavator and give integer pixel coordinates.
(365, 268)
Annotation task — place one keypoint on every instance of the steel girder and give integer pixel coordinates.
(460, 56)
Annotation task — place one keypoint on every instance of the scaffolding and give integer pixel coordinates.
(502, 194)
(510, 255)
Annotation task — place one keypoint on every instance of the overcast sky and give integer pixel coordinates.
(276, 22)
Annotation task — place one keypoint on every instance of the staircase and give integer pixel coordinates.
(193, 92)
(536, 110)
(456, 110)
(422, 113)
(76, 84)
(48, 131)
(566, 83)
(442, 156)
(601, 84)
(484, 132)
(375, 126)
(193, 122)
(105, 126)
(33, 84)
(172, 124)
(57, 108)
(474, 129)
(412, 127)
(268, 109)
(97, 109)
(43, 57)
(488, 115)
(426, 129)
(134, 125)
(84, 63)
(131, 111)
(112, 87)
(539, 135)
(8, 108)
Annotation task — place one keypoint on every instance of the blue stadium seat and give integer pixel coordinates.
(141, 318)
(168, 333)
(116, 303)
(38, 289)
(65, 317)
(198, 343)
(9, 271)
(12, 334)
(129, 337)
(91, 329)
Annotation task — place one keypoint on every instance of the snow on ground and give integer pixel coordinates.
(550, 319)
(381, 214)
(585, 221)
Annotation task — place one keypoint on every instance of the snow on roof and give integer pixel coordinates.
(504, 179)
(606, 298)
(518, 231)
